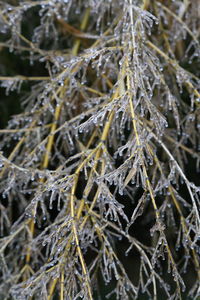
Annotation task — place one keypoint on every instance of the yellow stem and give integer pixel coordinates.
(62, 285)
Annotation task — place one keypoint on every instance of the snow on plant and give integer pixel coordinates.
(117, 113)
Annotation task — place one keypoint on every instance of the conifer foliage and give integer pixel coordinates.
(110, 122)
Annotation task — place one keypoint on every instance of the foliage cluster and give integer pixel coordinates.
(110, 122)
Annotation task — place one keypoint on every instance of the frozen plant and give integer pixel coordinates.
(101, 149)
